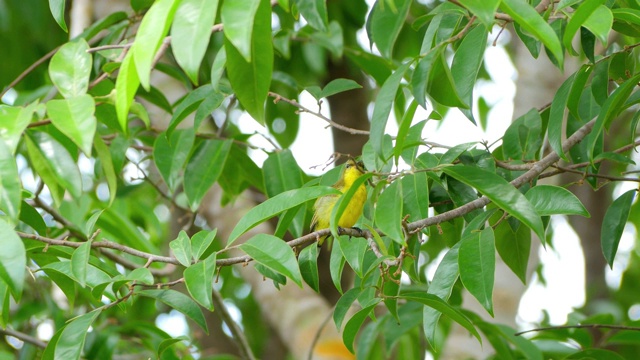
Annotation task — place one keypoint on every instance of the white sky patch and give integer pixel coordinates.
(173, 323)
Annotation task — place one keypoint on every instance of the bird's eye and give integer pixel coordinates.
(347, 166)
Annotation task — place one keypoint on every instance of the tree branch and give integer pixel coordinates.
(24, 337)
(581, 326)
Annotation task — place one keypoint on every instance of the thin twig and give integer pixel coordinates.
(24, 337)
(238, 334)
(581, 326)
(278, 97)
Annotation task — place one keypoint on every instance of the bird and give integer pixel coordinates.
(324, 205)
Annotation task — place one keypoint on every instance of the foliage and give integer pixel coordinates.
(73, 216)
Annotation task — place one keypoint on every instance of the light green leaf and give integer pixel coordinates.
(57, 10)
(199, 281)
(181, 248)
(337, 86)
(613, 225)
(72, 337)
(552, 200)
(190, 33)
(70, 68)
(276, 205)
(344, 305)
(180, 302)
(10, 187)
(354, 324)
(484, 10)
(467, 62)
(201, 241)
(529, 19)
(127, 84)
(203, 170)
(217, 68)
(13, 122)
(582, 13)
(238, 18)
(13, 260)
(249, 69)
(275, 254)
(501, 193)
(80, 261)
(153, 28)
(477, 263)
(75, 118)
(600, 23)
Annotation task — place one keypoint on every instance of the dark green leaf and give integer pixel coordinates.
(354, 324)
(613, 225)
(468, 60)
(513, 244)
(180, 302)
(315, 12)
(80, 261)
(344, 305)
(170, 155)
(388, 216)
(552, 200)
(308, 260)
(72, 337)
(578, 18)
(503, 194)
(203, 170)
(485, 10)
(10, 187)
(477, 263)
(386, 23)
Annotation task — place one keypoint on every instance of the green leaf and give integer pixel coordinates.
(477, 263)
(484, 10)
(529, 19)
(190, 33)
(513, 242)
(354, 324)
(556, 116)
(443, 307)
(386, 23)
(72, 337)
(308, 260)
(281, 173)
(276, 205)
(106, 161)
(344, 305)
(578, 18)
(57, 10)
(523, 138)
(13, 122)
(180, 302)
(600, 23)
(54, 164)
(203, 170)
(80, 261)
(382, 108)
(275, 254)
(500, 192)
(403, 130)
(153, 28)
(217, 68)
(13, 260)
(610, 109)
(552, 200)
(613, 225)
(415, 192)
(441, 87)
(441, 285)
(30, 216)
(181, 248)
(336, 265)
(354, 251)
(70, 68)
(199, 281)
(75, 118)
(388, 215)
(421, 76)
(249, 68)
(468, 60)
(315, 12)
(10, 187)
(127, 84)
(238, 18)
(201, 241)
(189, 104)
(170, 155)
(337, 86)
